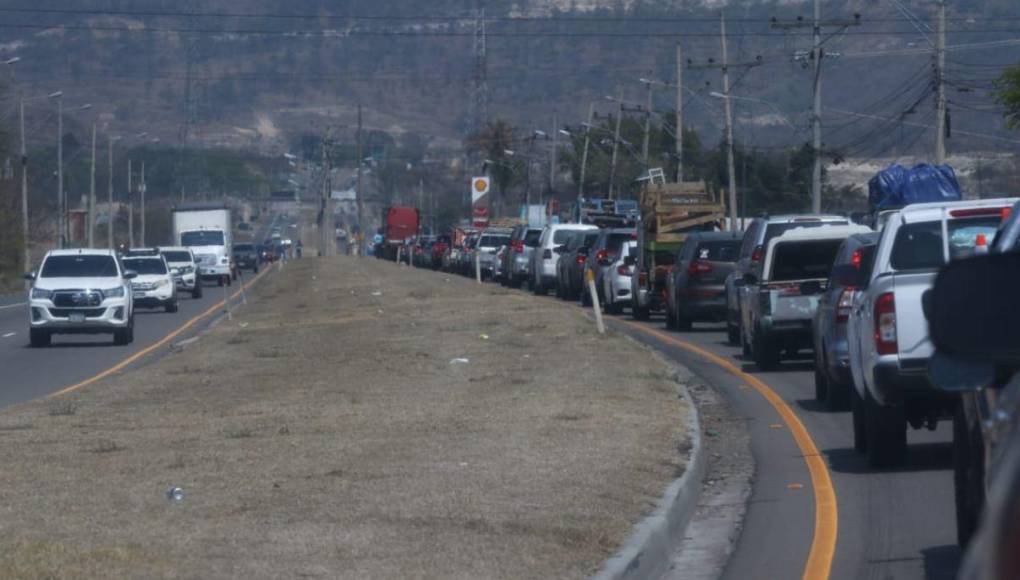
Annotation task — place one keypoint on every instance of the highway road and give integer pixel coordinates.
(27, 373)
(889, 524)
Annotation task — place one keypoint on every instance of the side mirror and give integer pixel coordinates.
(560, 249)
(130, 274)
(29, 276)
(750, 278)
(847, 275)
(972, 309)
(630, 260)
(810, 288)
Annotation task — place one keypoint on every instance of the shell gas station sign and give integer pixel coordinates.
(479, 205)
(479, 188)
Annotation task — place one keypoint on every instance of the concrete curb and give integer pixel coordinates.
(649, 550)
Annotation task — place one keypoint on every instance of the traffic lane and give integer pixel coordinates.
(29, 373)
(892, 524)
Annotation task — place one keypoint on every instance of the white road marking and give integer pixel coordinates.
(9, 334)
(13, 305)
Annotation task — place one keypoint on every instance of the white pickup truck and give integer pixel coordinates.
(887, 332)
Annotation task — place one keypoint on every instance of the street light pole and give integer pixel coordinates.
(584, 155)
(92, 192)
(61, 209)
(616, 146)
(27, 256)
(141, 205)
(730, 165)
(109, 194)
(131, 209)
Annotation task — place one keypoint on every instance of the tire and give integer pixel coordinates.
(123, 336)
(230, 281)
(670, 319)
(886, 429)
(859, 424)
(765, 355)
(745, 348)
(821, 385)
(196, 293)
(638, 312)
(614, 308)
(219, 280)
(732, 335)
(968, 477)
(255, 269)
(585, 298)
(39, 338)
(171, 306)
(683, 323)
(539, 288)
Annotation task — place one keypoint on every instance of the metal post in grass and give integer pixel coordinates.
(478, 266)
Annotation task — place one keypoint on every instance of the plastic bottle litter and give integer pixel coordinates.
(377, 293)
(459, 361)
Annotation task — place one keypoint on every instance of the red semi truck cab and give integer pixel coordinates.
(401, 223)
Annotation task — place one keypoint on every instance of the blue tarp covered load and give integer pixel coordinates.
(897, 186)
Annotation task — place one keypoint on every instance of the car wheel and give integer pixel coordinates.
(765, 354)
(670, 319)
(968, 477)
(539, 289)
(683, 323)
(886, 429)
(732, 334)
(39, 338)
(121, 336)
(171, 306)
(821, 386)
(614, 308)
(255, 268)
(230, 281)
(219, 280)
(859, 425)
(196, 293)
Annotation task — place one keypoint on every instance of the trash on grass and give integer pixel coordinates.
(175, 494)
(459, 361)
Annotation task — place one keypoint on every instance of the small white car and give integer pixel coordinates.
(154, 285)
(543, 258)
(81, 292)
(616, 280)
(184, 268)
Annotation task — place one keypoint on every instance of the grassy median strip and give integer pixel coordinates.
(357, 419)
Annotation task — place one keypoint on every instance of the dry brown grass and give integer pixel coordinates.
(323, 432)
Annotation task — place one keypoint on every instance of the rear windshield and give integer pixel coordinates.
(775, 230)
(244, 248)
(719, 251)
(177, 256)
(616, 241)
(79, 267)
(531, 238)
(560, 237)
(805, 260)
(145, 265)
(494, 241)
(919, 246)
(589, 239)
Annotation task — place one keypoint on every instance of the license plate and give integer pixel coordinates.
(76, 317)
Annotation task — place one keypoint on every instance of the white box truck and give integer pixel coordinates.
(206, 229)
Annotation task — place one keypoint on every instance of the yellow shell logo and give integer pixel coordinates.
(480, 185)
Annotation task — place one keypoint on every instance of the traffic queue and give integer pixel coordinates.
(904, 314)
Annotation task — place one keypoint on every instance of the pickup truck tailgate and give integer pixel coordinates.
(911, 325)
(788, 304)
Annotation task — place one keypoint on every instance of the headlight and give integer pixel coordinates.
(117, 292)
(176, 271)
(161, 283)
(41, 294)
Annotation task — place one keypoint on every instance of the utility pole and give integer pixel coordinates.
(141, 204)
(552, 155)
(817, 54)
(109, 195)
(730, 167)
(359, 195)
(61, 208)
(27, 255)
(92, 192)
(326, 169)
(648, 123)
(679, 114)
(616, 146)
(584, 155)
(421, 205)
(131, 209)
(940, 85)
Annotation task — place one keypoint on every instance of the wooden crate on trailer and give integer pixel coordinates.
(669, 211)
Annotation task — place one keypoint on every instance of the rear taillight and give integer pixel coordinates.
(623, 270)
(844, 304)
(518, 246)
(697, 268)
(885, 324)
(757, 254)
(857, 258)
(580, 260)
(977, 212)
(601, 255)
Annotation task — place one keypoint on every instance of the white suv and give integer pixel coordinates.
(184, 268)
(81, 292)
(154, 286)
(543, 258)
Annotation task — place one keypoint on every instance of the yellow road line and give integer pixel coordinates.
(160, 343)
(823, 544)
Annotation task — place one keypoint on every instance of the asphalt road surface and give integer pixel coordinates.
(891, 524)
(27, 373)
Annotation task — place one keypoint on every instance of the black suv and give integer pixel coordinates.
(246, 256)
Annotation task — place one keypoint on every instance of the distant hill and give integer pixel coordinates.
(262, 72)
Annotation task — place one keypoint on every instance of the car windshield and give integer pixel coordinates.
(177, 256)
(718, 251)
(145, 265)
(209, 238)
(615, 241)
(778, 229)
(560, 237)
(79, 267)
(803, 260)
(244, 248)
(531, 238)
(919, 246)
(491, 241)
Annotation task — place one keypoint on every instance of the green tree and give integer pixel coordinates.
(1007, 93)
